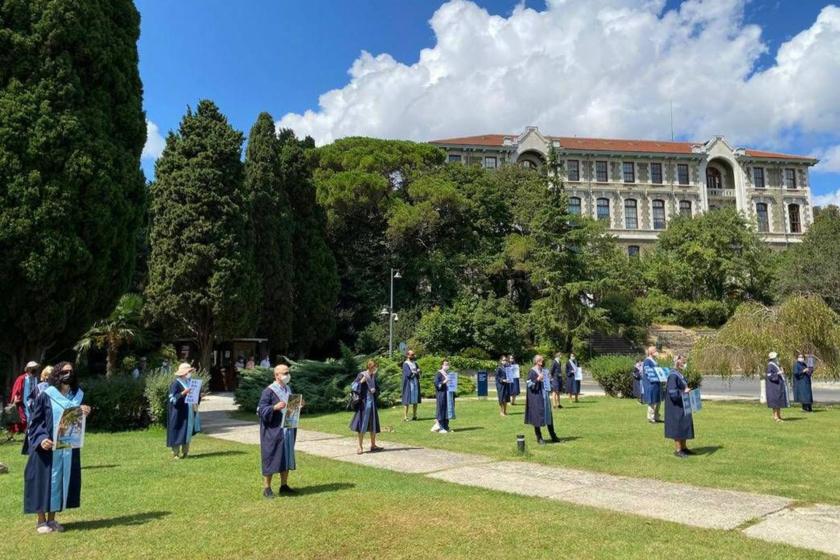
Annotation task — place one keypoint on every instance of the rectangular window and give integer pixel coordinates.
(658, 214)
(574, 206)
(454, 158)
(762, 217)
(682, 173)
(630, 217)
(603, 209)
(633, 251)
(629, 169)
(601, 171)
(758, 177)
(795, 223)
(573, 170)
(790, 178)
(685, 208)
(490, 162)
(656, 173)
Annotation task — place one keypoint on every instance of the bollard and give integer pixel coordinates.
(520, 443)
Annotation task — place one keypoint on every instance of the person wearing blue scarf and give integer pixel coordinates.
(277, 442)
(679, 426)
(651, 386)
(182, 420)
(366, 417)
(538, 401)
(52, 480)
(410, 385)
(776, 387)
(802, 392)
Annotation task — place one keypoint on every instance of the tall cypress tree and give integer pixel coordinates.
(273, 225)
(72, 194)
(316, 279)
(202, 281)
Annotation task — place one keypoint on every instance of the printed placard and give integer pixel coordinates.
(195, 392)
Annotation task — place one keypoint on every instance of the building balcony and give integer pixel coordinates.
(721, 193)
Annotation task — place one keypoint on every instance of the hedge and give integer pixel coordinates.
(157, 392)
(117, 403)
(614, 373)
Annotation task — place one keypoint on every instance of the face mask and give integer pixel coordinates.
(285, 379)
(65, 378)
(445, 368)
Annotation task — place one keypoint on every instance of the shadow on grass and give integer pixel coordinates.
(122, 521)
(568, 439)
(388, 449)
(468, 429)
(707, 450)
(214, 454)
(793, 419)
(322, 488)
(91, 467)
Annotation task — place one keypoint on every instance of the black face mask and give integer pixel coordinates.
(66, 378)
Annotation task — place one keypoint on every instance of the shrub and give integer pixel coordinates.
(118, 403)
(157, 392)
(614, 374)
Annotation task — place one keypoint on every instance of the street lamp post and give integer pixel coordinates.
(389, 311)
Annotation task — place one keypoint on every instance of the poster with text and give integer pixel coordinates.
(291, 414)
(195, 392)
(452, 384)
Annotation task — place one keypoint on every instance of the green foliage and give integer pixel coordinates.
(202, 280)
(658, 307)
(118, 403)
(72, 194)
(390, 374)
(123, 327)
(614, 374)
(157, 392)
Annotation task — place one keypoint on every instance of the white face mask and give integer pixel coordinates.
(285, 379)
(445, 368)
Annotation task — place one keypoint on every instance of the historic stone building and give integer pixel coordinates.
(636, 186)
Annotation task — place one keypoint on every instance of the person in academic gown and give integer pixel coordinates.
(638, 372)
(23, 396)
(538, 402)
(515, 387)
(442, 399)
(776, 387)
(502, 386)
(651, 386)
(802, 384)
(277, 444)
(557, 376)
(572, 384)
(410, 385)
(366, 419)
(679, 426)
(181, 421)
(52, 479)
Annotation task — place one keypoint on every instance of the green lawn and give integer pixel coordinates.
(742, 448)
(138, 503)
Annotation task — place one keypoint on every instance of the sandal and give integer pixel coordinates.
(375, 448)
(359, 451)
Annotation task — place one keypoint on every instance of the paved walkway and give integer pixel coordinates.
(770, 518)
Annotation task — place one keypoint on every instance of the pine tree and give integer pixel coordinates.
(202, 280)
(273, 226)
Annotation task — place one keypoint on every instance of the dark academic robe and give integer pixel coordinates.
(367, 418)
(572, 384)
(678, 424)
(271, 434)
(777, 396)
(441, 401)
(180, 423)
(410, 385)
(502, 387)
(650, 383)
(557, 377)
(537, 402)
(39, 492)
(638, 373)
(802, 384)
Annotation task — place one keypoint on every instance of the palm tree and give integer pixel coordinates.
(123, 326)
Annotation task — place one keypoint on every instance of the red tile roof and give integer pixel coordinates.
(483, 140)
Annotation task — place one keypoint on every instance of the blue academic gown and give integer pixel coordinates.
(537, 402)
(276, 444)
(650, 383)
(502, 387)
(802, 384)
(441, 401)
(557, 377)
(638, 373)
(30, 393)
(777, 396)
(410, 385)
(678, 424)
(45, 478)
(514, 387)
(181, 422)
(367, 418)
(572, 383)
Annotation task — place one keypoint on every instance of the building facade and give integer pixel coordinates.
(637, 186)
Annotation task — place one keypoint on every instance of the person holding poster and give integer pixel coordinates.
(515, 388)
(277, 442)
(777, 397)
(503, 384)
(802, 393)
(557, 379)
(651, 386)
(52, 480)
(181, 422)
(538, 401)
(572, 381)
(679, 426)
(366, 417)
(410, 385)
(442, 396)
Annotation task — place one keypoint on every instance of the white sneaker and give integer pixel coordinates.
(442, 431)
(44, 528)
(435, 428)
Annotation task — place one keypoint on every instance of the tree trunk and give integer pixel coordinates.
(204, 340)
(18, 359)
(111, 360)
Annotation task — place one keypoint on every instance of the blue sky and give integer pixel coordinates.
(280, 56)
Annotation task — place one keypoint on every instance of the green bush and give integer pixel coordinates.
(117, 403)
(614, 374)
(656, 306)
(157, 392)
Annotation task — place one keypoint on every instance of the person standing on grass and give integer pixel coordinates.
(515, 387)
(52, 479)
(679, 426)
(802, 392)
(557, 379)
(277, 443)
(442, 399)
(410, 385)
(39, 388)
(651, 386)
(502, 386)
(181, 421)
(538, 401)
(366, 418)
(777, 397)
(573, 384)
(23, 396)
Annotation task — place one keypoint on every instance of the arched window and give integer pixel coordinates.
(658, 214)
(762, 217)
(603, 209)
(574, 205)
(631, 220)
(526, 163)
(713, 178)
(685, 208)
(632, 250)
(795, 221)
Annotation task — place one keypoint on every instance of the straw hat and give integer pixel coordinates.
(184, 369)
(32, 364)
(773, 355)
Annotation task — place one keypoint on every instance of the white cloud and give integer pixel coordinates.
(596, 68)
(827, 198)
(154, 142)
(829, 159)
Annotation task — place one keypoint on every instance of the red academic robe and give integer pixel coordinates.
(17, 393)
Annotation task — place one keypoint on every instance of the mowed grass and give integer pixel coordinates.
(740, 446)
(138, 503)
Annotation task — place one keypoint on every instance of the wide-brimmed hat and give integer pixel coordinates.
(32, 364)
(773, 355)
(184, 369)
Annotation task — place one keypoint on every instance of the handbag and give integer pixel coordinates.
(355, 402)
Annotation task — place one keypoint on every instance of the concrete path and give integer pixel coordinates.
(770, 518)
